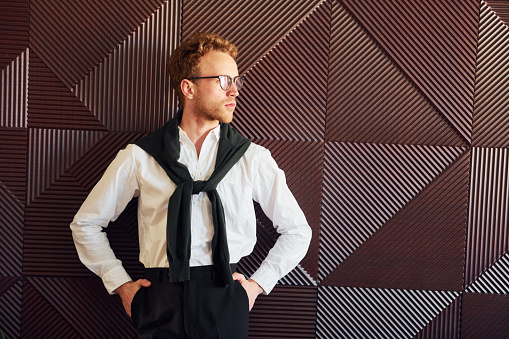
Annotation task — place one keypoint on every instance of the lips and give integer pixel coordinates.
(231, 105)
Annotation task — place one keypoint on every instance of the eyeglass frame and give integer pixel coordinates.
(233, 80)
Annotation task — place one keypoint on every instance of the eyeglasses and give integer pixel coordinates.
(225, 81)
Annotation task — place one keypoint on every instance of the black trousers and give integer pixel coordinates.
(199, 308)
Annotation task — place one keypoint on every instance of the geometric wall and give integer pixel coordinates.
(389, 118)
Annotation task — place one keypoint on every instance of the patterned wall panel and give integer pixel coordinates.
(280, 101)
(349, 312)
(422, 246)
(484, 316)
(87, 32)
(64, 165)
(446, 324)
(14, 92)
(10, 299)
(367, 185)
(370, 98)
(129, 89)
(254, 26)
(288, 312)
(388, 117)
(434, 43)
(488, 221)
(491, 108)
(52, 104)
(14, 20)
(89, 313)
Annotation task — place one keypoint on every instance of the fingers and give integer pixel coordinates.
(143, 283)
(239, 277)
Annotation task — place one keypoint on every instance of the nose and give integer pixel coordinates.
(233, 91)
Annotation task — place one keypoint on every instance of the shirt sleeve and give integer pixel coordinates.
(104, 204)
(278, 203)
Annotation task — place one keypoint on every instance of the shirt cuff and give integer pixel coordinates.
(114, 278)
(266, 278)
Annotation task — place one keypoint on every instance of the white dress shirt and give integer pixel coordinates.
(134, 173)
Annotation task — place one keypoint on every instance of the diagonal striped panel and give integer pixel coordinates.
(14, 21)
(89, 168)
(105, 316)
(10, 301)
(51, 152)
(287, 312)
(488, 220)
(128, 90)
(445, 325)
(434, 43)
(38, 313)
(484, 316)
(11, 241)
(302, 163)
(254, 26)
(494, 280)
(491, 110)
(501, 8)
(365, 186)
(370, 99)
(52, 104)
(279, 100)
(422, 246)
(350, 312)
(48, 248)
(73, 37)
(14, 92)
(13, 160)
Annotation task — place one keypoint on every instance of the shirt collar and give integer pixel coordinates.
(216, 132)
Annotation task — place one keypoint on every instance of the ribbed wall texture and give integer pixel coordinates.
(488, 221)
(491, 113)
(128, 90)
(389, 119)
(13, 92)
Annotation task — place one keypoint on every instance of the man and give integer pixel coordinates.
(196, 179)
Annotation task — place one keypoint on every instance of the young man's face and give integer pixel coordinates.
(211, 101)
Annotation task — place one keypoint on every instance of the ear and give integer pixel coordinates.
(187, 88)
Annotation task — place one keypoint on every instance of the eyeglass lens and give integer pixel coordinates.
(225, 81)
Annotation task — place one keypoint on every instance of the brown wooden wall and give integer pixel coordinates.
(390, 118)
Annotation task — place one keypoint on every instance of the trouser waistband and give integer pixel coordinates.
(196, 272)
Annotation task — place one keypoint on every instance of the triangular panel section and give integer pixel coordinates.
(89, 168)
(52, 104)
(377, 313)
(73, 37)
(11, 241)
(13, 160)
(285, 95)
(38, 313)
(445, 325)
(74, 298)
(365, 185)
(488, 210)
(10, 299)
(494, 280)
(52, 151)
(436, 51)
(14, 92)
(371, 99)
(422, 246)
(129, 90)
(263, 26)
(491, 113)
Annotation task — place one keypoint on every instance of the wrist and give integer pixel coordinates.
(260, 289)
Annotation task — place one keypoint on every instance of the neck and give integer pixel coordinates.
(197, 128)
